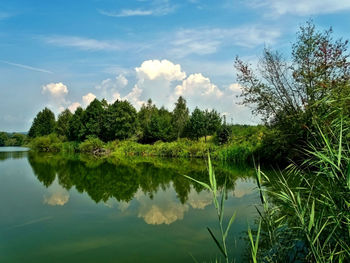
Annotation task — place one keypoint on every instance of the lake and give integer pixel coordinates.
(74, 208)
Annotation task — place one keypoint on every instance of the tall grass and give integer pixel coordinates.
(305, 209)
(219, 206)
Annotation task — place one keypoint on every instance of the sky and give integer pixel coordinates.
(63, 54)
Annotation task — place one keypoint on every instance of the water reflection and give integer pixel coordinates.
(56, 195)
(108, 206)
(124, 180)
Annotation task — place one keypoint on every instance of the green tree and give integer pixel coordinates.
(43, 124)
(144, 118)
(3, 138)
(76, 126)
(19, 139)
(212, 122)
(120, 121)
(292, 97)
(93, 119)
(62, 127)
(196, 127)
(180, 116)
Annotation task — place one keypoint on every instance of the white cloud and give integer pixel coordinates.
(156, 215)
(156, 8)
(303, 7)
(88, 98)
(204, 41)
(134, 97)
(198, 85)
(199, 200)
(163, 209)
(56, 93)
(55, 89)
(110, 86)
(89, 44)
(163, 81)
(153, 69)
(235, 87)
(56, 195)
(73, 107)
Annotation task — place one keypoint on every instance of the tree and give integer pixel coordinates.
(43, 124)
(18, 139)
(3, 138)
(180, 116)
(93, 118)
(120, 121)
(212, 122)
(76, 126)
(291, 97)
(62, 127)
(196, 126)
(144, 118)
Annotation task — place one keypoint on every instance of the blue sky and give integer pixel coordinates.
(62, 54)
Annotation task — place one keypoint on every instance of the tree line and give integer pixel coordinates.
(121, 121)
(12, 139)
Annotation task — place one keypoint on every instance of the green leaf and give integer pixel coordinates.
(312, 216)
(217, 243)
(229, 224)
(199, 182)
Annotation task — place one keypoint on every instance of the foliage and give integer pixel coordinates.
(43, 124)
(76, 126)
(63, 121)
(47, 143)
(92, 119)
(310, 218)
(12, 139)
(196, 125)
(120, 121)
(180, 116)
(290, 96)
(92, 145)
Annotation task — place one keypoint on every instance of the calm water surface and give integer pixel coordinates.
(56, 208)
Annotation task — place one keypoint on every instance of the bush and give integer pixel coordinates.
(92, 145)
(48, 143)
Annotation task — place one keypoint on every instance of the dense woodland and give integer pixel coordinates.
(121, 121)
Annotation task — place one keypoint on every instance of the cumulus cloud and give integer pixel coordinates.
(156, 215)
(134, 97)
(153, 69)
(56, 195)
(199, 200)
(56, 93)
(243, 188)
(57, 90)
(73, 107)
(197, 84)
(235, 87)
(109, 87)
(88, 98)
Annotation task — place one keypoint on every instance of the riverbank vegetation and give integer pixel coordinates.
(305, 208)
(13, 139)
(118, 129)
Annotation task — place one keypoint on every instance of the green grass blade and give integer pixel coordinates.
(229, 224)
(217, 243)
(199, 182)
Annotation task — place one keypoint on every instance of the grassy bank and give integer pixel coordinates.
(241, 147)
